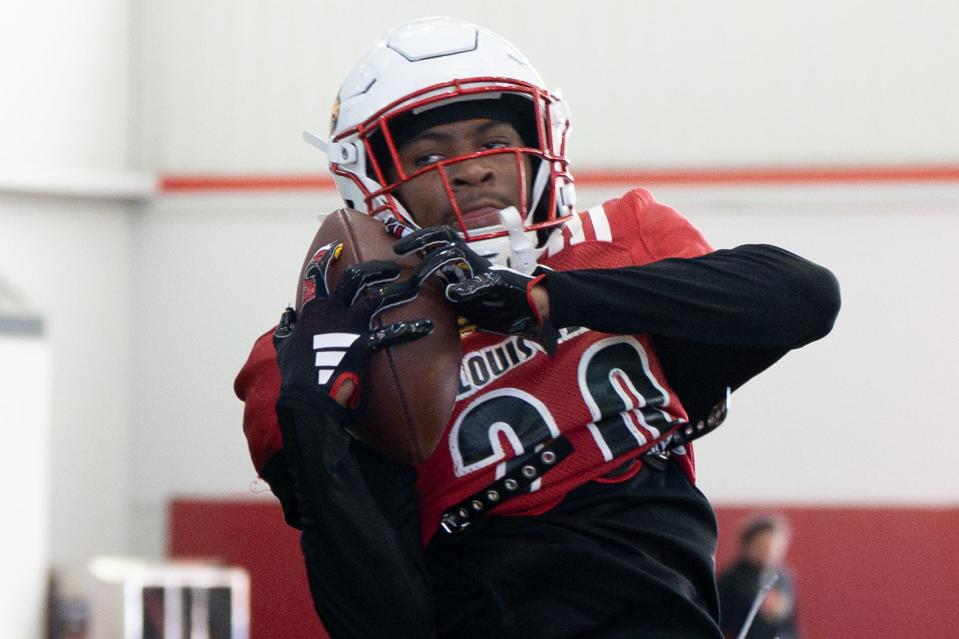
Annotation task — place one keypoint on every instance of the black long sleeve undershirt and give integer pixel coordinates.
(716, 320)
(360, 525)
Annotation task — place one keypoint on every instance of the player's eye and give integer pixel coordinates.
(425, 159)
(498, 143)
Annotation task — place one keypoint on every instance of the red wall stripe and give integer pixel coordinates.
(186, 183)
(254, 536)
(877, 572)
(199, 183)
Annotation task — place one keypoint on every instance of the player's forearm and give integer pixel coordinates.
(360, 536)
(753, 295)
(539, 298)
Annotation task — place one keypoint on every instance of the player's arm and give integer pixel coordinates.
(360, 531)
(357, 511)
(718, 319)
(754, 295)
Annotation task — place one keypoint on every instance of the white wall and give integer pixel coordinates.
(71, 258)
(24, 547)
(66, 197)
(228, 84)
(65, 98)
(865, 415)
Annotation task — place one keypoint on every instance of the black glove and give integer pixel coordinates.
(494, 298)
(331, 340)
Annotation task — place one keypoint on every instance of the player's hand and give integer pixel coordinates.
(493, 298)
(329, 341)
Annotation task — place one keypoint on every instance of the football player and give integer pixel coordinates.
(561, 500)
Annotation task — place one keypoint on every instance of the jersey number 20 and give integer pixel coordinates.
(624, 399)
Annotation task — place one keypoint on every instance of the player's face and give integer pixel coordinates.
(482, 186)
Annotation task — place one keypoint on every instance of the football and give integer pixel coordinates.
(408, 389)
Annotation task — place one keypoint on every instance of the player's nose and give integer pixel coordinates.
(475, 172)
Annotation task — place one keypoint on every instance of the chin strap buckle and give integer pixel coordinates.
(517, 249)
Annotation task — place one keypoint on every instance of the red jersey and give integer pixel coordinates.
(605, 393)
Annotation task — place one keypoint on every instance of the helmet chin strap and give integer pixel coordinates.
(516, 250)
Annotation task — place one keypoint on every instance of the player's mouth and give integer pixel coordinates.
(482, 214)
(482, 217)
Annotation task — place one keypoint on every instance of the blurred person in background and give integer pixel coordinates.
(763, 542)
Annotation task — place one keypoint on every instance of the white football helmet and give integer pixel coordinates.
(430, 63)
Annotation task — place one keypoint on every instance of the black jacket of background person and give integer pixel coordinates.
(738, 587)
